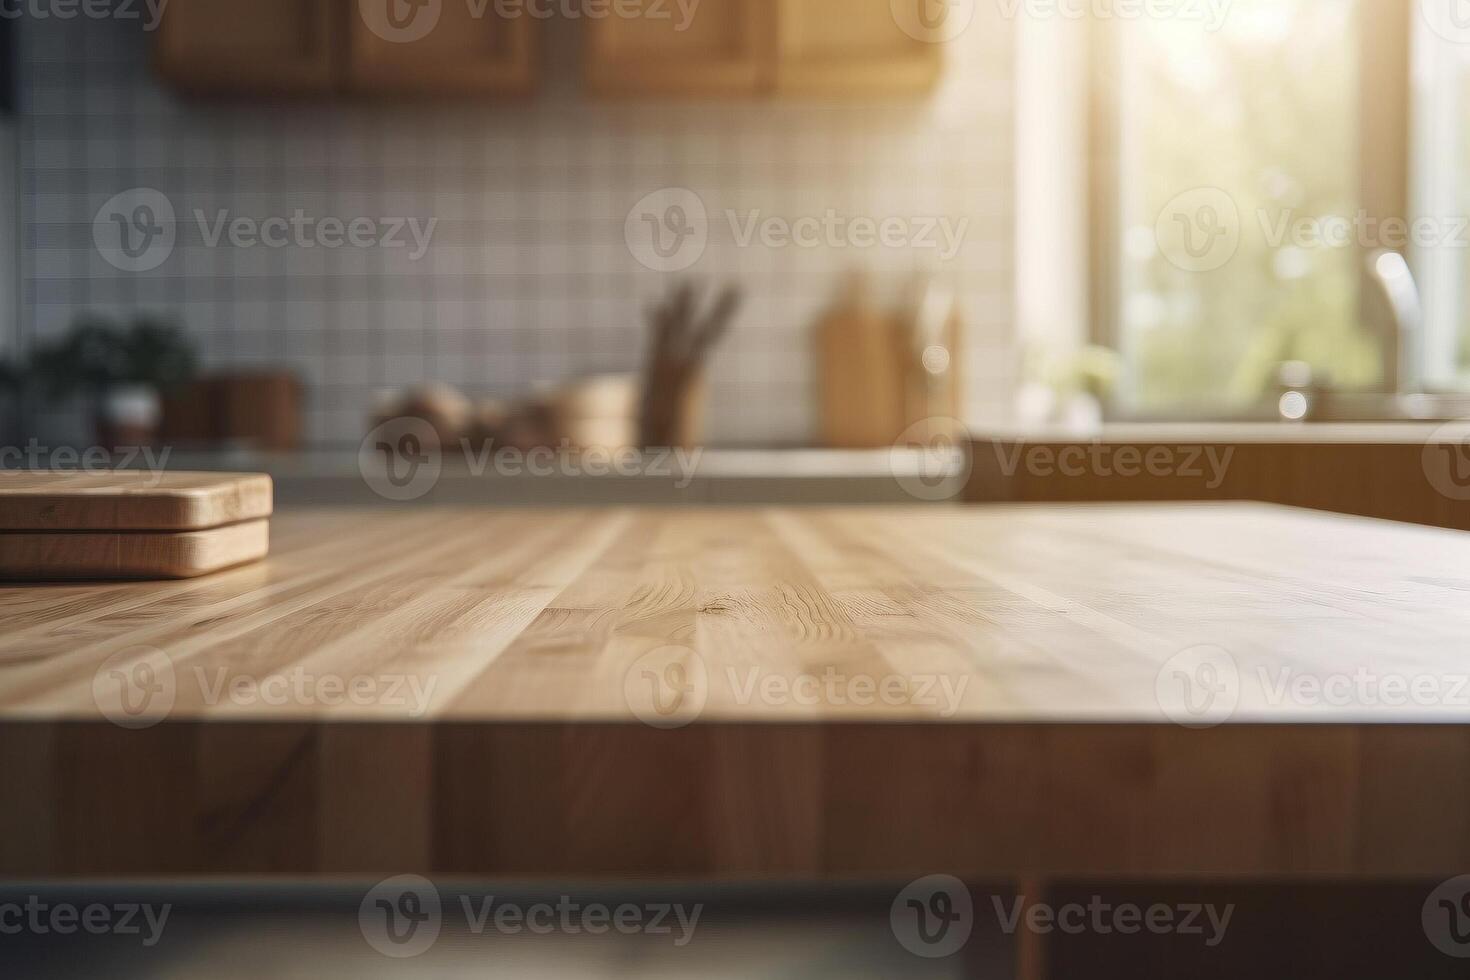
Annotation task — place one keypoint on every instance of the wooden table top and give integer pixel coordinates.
(1197, 613)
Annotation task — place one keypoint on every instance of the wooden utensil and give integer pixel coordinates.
(681, 341)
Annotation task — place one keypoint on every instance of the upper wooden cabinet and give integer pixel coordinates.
(264, 46)
(387, 47)
(722, 49)
(452, 47)
(640, 48)
(854, 48)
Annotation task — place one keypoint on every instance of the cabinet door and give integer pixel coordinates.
(248, 48)
(654, 48)
(441, 47)
(861, 48)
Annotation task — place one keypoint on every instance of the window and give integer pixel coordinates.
(1246, 169)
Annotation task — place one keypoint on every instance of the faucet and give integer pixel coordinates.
(1390, 272)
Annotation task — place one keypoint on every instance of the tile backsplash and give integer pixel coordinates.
(527, 276)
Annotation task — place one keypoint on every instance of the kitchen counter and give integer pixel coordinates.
(811, 692)
(676, 478)
(1309, 433)
(1417, 472)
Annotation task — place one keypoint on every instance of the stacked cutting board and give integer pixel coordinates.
(127, 524)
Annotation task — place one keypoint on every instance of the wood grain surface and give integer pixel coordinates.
(503, 720)
(130, 500)
(1020, 614)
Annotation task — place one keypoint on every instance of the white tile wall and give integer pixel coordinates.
(528, 277)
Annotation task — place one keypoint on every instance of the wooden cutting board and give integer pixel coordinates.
(43, 557)
(862, 358)
(130, 523)
(130, 500)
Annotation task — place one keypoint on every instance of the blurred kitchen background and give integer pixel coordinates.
(527, 283)
(744, 224)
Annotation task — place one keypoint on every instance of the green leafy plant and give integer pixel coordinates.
(157, 354)
(96, 354)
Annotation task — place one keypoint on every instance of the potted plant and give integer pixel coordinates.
(1067, 386)
(121, 372)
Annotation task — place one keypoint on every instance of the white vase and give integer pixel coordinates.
(132, 406)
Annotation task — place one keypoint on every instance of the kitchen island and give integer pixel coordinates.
(790, 694)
